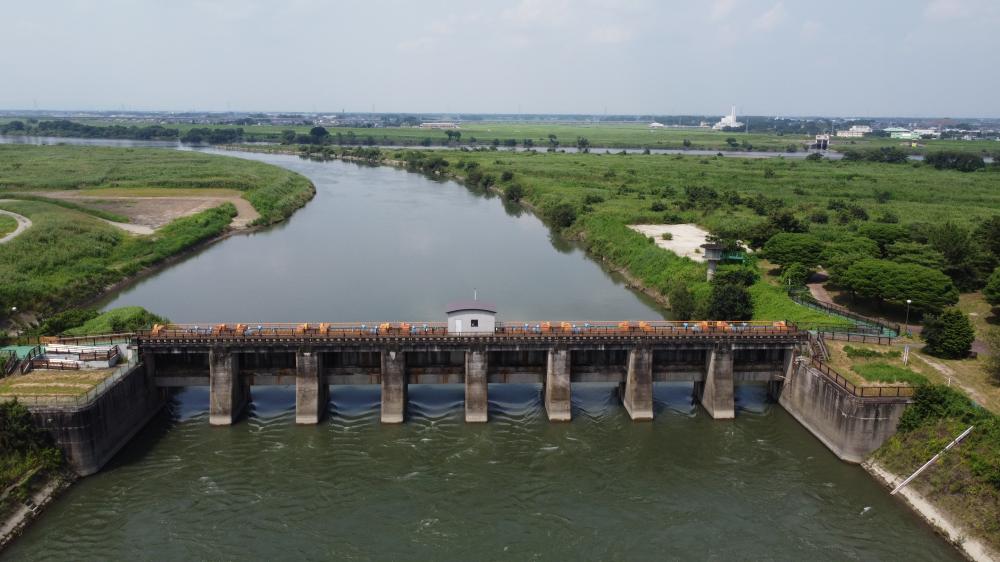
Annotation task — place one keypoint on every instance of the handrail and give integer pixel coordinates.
(899, 391)
(423, 329)
(10, 364)
(803, 297)
(26, 363)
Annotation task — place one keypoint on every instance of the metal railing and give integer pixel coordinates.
(860, 338)
(54, 365)
(898, 391)
(440, 329)
(95, 340)
(803, 297)
(77, 400)
(26, 362)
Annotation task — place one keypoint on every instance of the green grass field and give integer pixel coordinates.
(7, 225)
(600, 135)
(69, 254)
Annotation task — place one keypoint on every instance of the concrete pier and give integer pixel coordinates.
(557, 385)
(476, 403)
(312, 393)
(228, 392)
(716, 392)
(393, 386)
(637, 396)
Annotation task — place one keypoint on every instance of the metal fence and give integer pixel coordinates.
(803, 297)
(859, 338)
(862, 391)
(78, 400)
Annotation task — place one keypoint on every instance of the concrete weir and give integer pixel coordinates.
(852, 425)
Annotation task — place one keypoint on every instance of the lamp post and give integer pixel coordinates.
(908, 301)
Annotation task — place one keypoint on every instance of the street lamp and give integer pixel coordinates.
(908, 301)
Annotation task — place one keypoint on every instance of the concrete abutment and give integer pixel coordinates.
(393, 386)
(229, 393)
(476, 386)
(716, 392)
(558, 396)
(312, 393)
(637, 393)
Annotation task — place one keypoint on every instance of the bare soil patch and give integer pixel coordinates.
(686, 239)
(153, 208)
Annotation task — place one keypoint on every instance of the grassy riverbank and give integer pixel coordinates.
(27, 455)
(70, 254)
(594, 197)
(965, 482)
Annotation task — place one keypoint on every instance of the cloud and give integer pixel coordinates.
(771, 18)
(538, 12)
(721, 9)
(610, 34)
(810, 29)
(939, 10)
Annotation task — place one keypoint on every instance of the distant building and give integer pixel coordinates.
(856, 131)
(728, 121)
(439, 125)
(655, 125)
(927, 132)
(822, 142)
(904, 135)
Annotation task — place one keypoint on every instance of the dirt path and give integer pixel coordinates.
(952, 377)
(147, 213)
(23, 223)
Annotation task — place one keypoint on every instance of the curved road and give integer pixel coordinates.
(22, 224)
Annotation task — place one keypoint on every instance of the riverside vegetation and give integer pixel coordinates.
(885, 232)
(68, 255)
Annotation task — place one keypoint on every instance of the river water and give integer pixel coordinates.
(380, 243)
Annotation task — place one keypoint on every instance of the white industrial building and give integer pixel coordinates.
(655, 125)
(856, 131)
(472, 317)
(728, 121)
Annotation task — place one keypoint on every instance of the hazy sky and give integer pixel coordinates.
(769, 57)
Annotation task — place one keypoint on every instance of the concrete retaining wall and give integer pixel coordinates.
(850, 426)
(90, 435)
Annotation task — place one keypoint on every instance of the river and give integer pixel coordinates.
(381, 243)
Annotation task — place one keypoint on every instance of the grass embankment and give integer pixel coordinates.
(7, 225)
(118, 320)
(68, 255)
(875, 365)
(595, 197)
(274, 192)
(965, 482)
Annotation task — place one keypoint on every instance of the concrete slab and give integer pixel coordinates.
(686, 242)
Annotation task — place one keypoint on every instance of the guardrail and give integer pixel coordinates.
(79, 400)
(98, 339)
(440, 329)
(862, 391)
(26, 363)
(803, 297)
(860, 338)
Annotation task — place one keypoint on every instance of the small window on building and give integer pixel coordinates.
(474, 323)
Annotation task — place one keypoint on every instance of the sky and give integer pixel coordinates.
(920, 58)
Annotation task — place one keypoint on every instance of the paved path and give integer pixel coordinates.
(23, 223)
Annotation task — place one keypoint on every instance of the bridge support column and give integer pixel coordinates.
(393, 386)
(716, 393)
(228, 392)
(476, 403)
(638, 393)
(311, 391)
(557, 385)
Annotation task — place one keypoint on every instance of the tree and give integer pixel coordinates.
(949, 335)
(287, 137)
(319, 134)
(786, 248)
(814, 157)
(561, 215)
(730, 301)
(736, 275)
(883, 234)
(915, 253)
(966, 262)
(795, 275)
(992, 289)
(993, 359)
(681, 302)
(988, 234)
(955, 160)
(886, 281)
(582, 144)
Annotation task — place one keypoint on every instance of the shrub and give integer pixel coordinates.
(795, 275)
(507, 175)
(667, 236)
(562, 215)
(992, 289)
(868, 353)
(949, 334)
(730, 301)
(955, 160)
(513, 193)
(682, 302)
